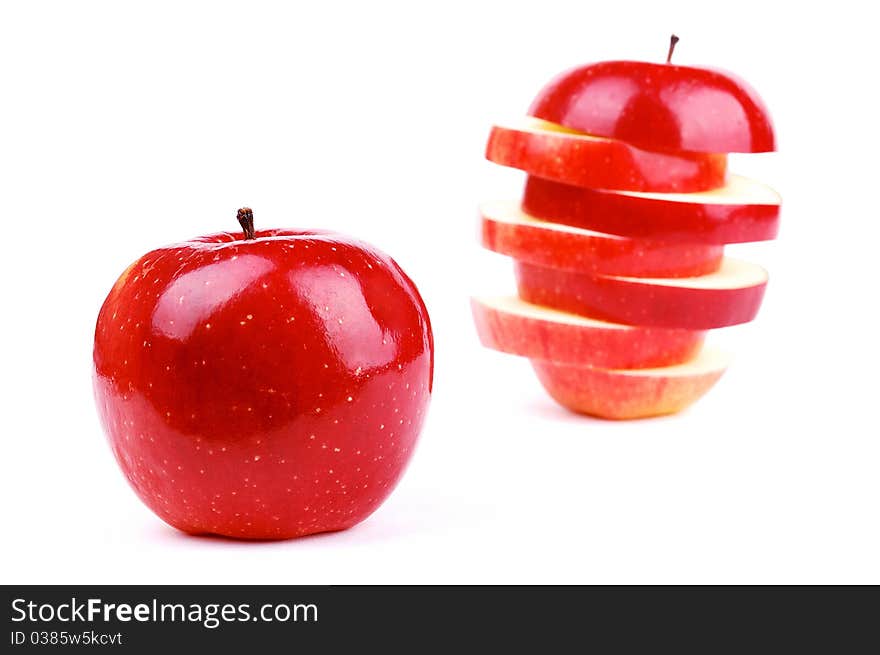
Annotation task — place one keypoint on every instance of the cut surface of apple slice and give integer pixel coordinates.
(741, 211)
(506, 229)
(729, 296)
(513, 326)
(555, 153)
(631, 394)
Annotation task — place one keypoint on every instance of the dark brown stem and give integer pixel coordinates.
(246, 220)
(672, 41)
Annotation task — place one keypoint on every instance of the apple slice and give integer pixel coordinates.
(512, 326)
(629, 394)
(508, 230)
(556, 153)
(740, 211)
(729, 296)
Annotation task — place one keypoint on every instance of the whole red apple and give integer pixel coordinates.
(263, 385)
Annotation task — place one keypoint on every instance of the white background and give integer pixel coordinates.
(125, 126)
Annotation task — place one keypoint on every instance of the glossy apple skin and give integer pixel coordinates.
(627, 300)
(587, 251)
(660, 107)
(599, 345)
(649, 218)
(620, 396)
(263, 389)
(602, 163)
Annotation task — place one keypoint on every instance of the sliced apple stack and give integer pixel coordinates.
(618, 249)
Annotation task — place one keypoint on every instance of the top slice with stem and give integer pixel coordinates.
(659, 106)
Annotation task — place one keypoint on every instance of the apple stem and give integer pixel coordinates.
(246, 220)
(672, 41)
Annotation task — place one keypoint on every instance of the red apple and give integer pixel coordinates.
(661, 107)
(729, 296)
(507, 230)
(630, 394)
(740, 211)
(263, 387)
(549, 151)
(519, 328)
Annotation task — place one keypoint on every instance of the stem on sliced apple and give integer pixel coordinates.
(672, 41)
(246, 220)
